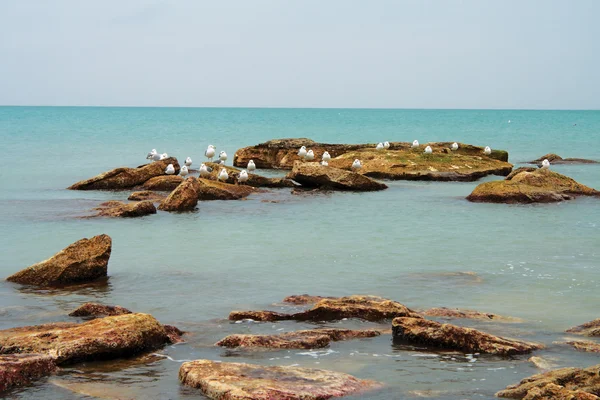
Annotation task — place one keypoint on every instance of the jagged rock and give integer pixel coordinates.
(214, 190)
(584, 345)
(539, 186)
(306, 339)
(98, 310)
(118, 209)
(591, 328)
(469, 314)
(233, 381)
(83, 261)
(253, 179)
(314, 175)
(164, 183)
(125, 178)
(183, 198)
(174, 334)
(102, 338)
(468, 340)
(21, 369)
(146, 195)
(556, 159)
(304, 299)
(565, 383)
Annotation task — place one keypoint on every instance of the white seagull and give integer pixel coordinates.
(545, 164)
(324, 163)
(310, 155)
(156, 157)
(204, 171)
(251, 166)
(210, 152)
(183, 171)
(454, 146)
(223, 156)
(386, 145)
(356, 165)
(188, 162)
(170, 170)
(487, 151)
(379, 146)
(326, 157)
(428, 150)
(415, 144)
(302, 152)
(150, 155)
(223, 175)
(164, 156)
(243, 176)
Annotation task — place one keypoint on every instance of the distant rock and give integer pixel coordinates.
(223, 380)
(83, 261)
(146, 195)
(304, 299)
(125, 178)
(444, 312)
(118, 209)
(214, 190)
(262, 316)
(164, 183)
(314, 175)
(447, 336)
(98, 310)
(183, 198)
(556, 159)
(21, 369)
(584, 345)
(539, 186)
(591, 328)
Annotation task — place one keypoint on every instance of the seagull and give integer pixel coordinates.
(309, 155)
(302, 151)
(205, 171)
(356, 165)
(184, 171)
(487, 151)
(545, 164)
(170, 169)
(386, 145)
(156, 157)
(454, 146)
(188, 162)
(428, 150)
(223, 175)
(326, 157)
(210, 152)
(223, 156)
(251, 166)
(164, 156)
(243, 176)
(150, 155)
(415, 144)
(379, 146)
(324, 163)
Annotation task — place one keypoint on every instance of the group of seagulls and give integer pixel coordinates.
(154, 156)
(382, 146)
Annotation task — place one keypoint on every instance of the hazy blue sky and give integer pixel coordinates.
(302, 53)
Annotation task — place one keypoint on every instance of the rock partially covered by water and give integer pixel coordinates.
(125, 178)
(447, 336)
(83, 261)
(118, 209)
(253, 179)
(164, 183)
(564, 383)
(222, 381)
(102, 338)
(314, 175)
(98, 310)
(146, 195)
(183, 198)
(306, 339)
(21, 369)
(584, 345)
(591, 328)
(214, 190)
(262, 316)
(444, 312)
(556, 159)
(304, 299)
(540, 186)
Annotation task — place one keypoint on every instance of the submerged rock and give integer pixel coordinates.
(232, 381)
(21, 369)
(591, 328)
(183, 198)
(83, 261)
(468, 314)
(539, 186)
(118, 209)
(99, 339)
(304, 299)
(146, 195)
(541, 363)
(314, 175)
(125, 178)
(263, 316)
(215, 190)
(468, 340)
(564, 383)
(98, 310)
(556, 159)
(164, 183)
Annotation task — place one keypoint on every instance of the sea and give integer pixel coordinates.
(419, 243)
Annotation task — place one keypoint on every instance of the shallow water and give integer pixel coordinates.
(410, 243)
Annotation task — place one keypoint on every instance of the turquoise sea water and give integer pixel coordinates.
(410, 243)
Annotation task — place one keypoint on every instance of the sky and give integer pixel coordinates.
(488, 54)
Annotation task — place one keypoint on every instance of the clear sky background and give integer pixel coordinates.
(534, 54)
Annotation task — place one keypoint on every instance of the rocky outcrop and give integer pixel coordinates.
(118, 209)
(21, 369)
(304, 299)
(183, 198)
(314, 175)
(306, 339)
(564, 383)
(125, 178)
(591, 328)
(584, 345)
(234, 381)
(444, 312)
(102, 338)
(164, 183)
(556, 159)
(369, 308)
(174, 334)
(540, 186)
(83, 261)
(447, 336)
(215, 190)
(98, 310)
(253, 179)
(147, 195)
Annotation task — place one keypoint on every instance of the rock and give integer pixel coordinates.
(591, 328)
(304, 299)
(518, 171)
(540, 186)
(98, 310)
(125, 178)
(214, 190)
(146, 195)
(83, 261)
(21, 369)
(556, 159)
(469, 314)
(232, 381)
(184, 198)
(98, 339)
(174, 334)
(541, 363)
(584, 345)
(253, 179)
(164, 183)
(314, 175)
(576, 380)
(556, 392)
(118, 209)
(306, 339)
(370, 308)
(468, 340)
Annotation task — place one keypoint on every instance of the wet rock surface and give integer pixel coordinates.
(304, 299)
(254, 179)
(147, 195)
(214, 190)
(556, 159)
(118, 209)
(591, 328)
(165, 183)
(98, 310)
(21, 369)
(183, 198)
(314, 175)
(444, 312)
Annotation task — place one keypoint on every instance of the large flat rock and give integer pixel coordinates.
(21, 369)
(451, 313)
(236, 381)
(215, 190)
(118, 209)
(83, 261)
(315, 175)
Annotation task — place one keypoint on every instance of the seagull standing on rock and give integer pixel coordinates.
(150, 155)
(210, 152)
(184, 171)
(326, 157)
(324, 163)
(223, 175)
(188, 162)
(302, 152)
(428, 150)
(386, 145)
(170, 170)
(379, 146)
(205, 171)
(310, 155)
(223, 156)
(156, 157)
(164, 156)
(356, 165)
(243, 176)
(487, 151)
(545, 164)
(415, 144)
(251, 167)
(454, 146)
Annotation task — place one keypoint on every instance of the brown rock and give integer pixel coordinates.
(164, 183)
(263, 316)
(21, 369)
(174, 334)
(215, 190)
(102, 338)
(585, 345)
(540, 186)
(556, 159)
(315, 175)
(125, 178)
(235, 381)
(591, 328)
(146, 195)
(117, 209)
(98, 310)
(576, 380)
(83, 261)
(184, 198)
(304, 299)
(469, 314)
(253, 179)
(518, 171)
(468, 340)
